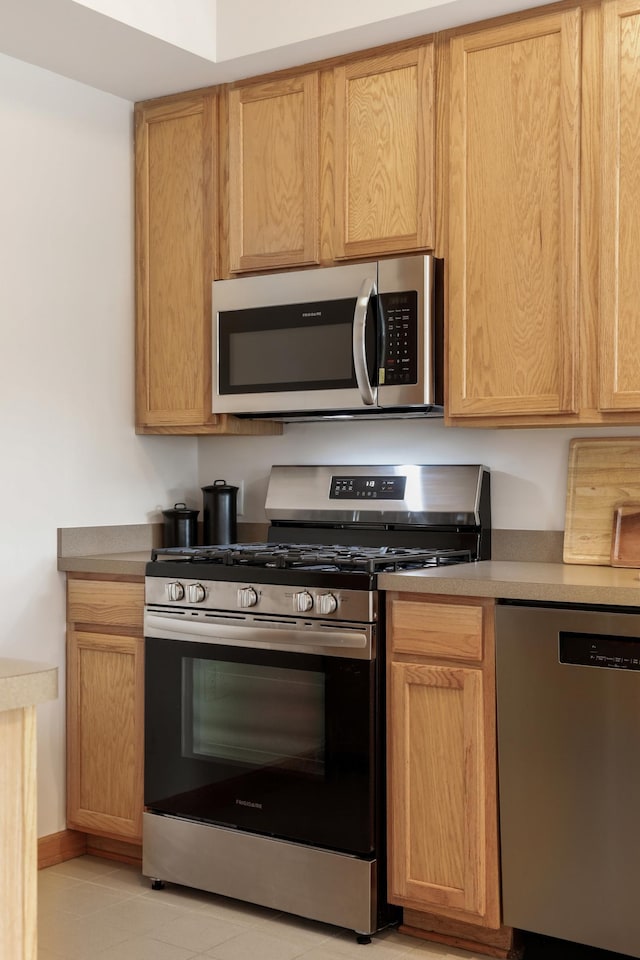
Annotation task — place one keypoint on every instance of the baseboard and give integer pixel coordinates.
(58, 847)
(503, 943)
(121, 850)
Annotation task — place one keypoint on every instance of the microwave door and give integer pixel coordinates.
(284, 343)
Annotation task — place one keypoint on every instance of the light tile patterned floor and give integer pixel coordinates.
(93, 909)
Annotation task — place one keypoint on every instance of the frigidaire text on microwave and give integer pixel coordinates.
(347, 341)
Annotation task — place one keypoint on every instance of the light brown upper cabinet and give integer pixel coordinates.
(514, 219)
(620, 224)
(273, 174)
(176, 230)
(330, 165)
(384, 150)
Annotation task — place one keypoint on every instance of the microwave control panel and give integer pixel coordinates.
(400, 360)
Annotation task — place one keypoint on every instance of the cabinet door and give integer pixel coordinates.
(105, 734)
(514, 177)
(114, 603)
(384, 154)
(273, 174)
(439, 796)
(175, 223)
(619, 340)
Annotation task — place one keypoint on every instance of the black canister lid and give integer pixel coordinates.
(219, 485)
(180, 510)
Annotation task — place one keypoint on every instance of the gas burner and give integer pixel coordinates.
(332, 557)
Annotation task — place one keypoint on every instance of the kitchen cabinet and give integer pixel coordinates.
(536, 175)
(105, 684)
(514, 207)
(619, 334)
(333, 164)
(273, 141)
(543, 219)
(442, 776)
(384, 153)
(307, 168)
(176, 230)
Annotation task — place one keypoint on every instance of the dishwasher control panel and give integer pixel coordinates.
(599, 650)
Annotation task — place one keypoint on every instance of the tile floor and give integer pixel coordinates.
(93, 909)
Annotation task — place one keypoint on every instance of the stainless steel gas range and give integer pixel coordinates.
(264, 679)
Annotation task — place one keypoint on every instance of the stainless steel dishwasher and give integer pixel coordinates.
(568, 688)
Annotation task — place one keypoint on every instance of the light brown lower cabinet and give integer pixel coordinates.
(442, 797)
(105, 689)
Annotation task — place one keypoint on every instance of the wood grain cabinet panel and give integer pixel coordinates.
(18, 835)
(384, 154)
(620, 226)
(436, 630)
(442, 776)
(113, 602)
(175, 229)
(176, 148)
(273, 174)
(514, 199)
(105, 689)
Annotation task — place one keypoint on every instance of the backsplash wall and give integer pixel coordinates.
(528, 467)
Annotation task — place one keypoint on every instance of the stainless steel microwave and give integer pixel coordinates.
(342, 342)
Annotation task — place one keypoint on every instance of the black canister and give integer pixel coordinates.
(220, 513)
(180, 526)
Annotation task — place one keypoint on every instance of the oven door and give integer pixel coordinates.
(276, 742)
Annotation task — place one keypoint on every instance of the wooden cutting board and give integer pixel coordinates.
(603, 472)
(625, 542)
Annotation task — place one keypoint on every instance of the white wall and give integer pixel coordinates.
(69, 453)
(248, 27)
(189, 24)
(528, 467)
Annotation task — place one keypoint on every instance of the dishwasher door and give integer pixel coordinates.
(569, 772)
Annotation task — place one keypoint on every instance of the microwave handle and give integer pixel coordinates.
(367, 392)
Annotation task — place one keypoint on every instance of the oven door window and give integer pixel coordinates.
(253, 715)
(280, 744)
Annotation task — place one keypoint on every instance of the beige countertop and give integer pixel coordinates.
(24, 683)
(513, 580)
(129, 563)
(507, 579)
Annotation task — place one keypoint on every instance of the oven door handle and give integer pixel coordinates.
(167, 627)
(367, 391)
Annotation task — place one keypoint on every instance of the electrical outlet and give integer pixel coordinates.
(240, 496)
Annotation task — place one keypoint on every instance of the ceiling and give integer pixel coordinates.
(125, 53)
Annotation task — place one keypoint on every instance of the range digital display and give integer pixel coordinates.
(367, 488)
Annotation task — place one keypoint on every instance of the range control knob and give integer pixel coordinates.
(175, 591)
(302, 602)
(195, 593)
(326, 603)
(247, 597)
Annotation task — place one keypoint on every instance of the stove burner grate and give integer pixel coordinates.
(314, 557)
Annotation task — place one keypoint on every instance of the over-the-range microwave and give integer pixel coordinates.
(331, 342)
